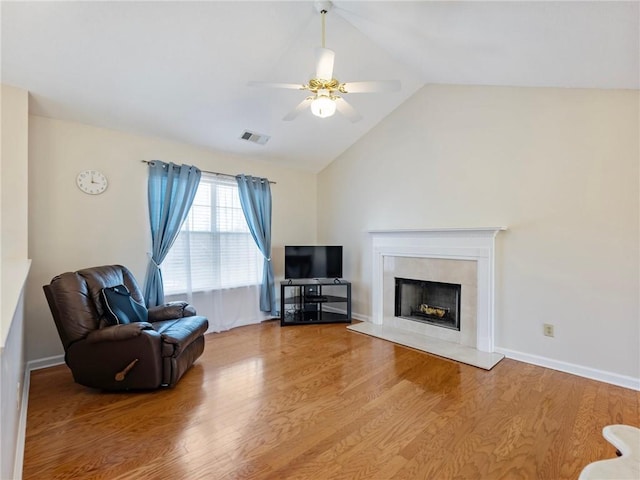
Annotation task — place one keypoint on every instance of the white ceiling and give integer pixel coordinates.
(179, 70)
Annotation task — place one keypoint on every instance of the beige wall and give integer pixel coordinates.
(71, 230)
(559, 167)
(15, 105)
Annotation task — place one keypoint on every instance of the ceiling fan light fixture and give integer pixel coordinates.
(326, 91)
(323, 105)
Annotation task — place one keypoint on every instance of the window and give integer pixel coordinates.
(214, 249)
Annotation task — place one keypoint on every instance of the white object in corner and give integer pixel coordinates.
(627, 440)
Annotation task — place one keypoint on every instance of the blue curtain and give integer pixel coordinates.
(255, 198)
(171, 189)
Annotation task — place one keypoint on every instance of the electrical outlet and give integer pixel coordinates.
(548, 330)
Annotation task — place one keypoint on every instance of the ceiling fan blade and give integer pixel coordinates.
(347, 110)
(294, 86)
(296, 111)
(371, 87)
(324, 63)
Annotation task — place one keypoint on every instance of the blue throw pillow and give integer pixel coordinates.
(120, 308)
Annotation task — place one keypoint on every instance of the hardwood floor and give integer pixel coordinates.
(321, 402)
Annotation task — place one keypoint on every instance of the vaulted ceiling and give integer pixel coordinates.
(180, 70)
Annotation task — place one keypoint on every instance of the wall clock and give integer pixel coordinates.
(92, 182)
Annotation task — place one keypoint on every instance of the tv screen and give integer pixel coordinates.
(313, 262)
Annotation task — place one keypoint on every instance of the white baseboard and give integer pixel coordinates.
(45, 362)
(24, 405)
(587, 372)
(359, 316)
(22, 426)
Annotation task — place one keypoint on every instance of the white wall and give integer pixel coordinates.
(70, 230)
(559, 167)
(14, 267)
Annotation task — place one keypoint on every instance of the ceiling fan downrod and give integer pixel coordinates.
(324, 14)
(323, 8)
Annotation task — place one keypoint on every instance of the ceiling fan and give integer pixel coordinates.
(326, 89)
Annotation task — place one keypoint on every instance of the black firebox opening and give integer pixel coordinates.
(435, 303)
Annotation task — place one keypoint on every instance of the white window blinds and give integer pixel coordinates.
(214, 249)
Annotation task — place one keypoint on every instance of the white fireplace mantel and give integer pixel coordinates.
(476, 244)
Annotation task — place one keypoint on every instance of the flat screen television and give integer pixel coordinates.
(312, 262)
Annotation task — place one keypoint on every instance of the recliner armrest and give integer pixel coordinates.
(170, 311)
(118, 332)
(178, 334)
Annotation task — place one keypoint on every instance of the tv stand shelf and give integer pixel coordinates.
(315, 301)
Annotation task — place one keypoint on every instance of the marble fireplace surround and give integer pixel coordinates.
(461, 252)
(459, 272)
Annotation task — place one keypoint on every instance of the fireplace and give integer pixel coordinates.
(435, 303)
(462, 256)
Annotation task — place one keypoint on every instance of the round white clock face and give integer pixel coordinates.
(92, 182)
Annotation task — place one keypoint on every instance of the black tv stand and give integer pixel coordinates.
(304, 302)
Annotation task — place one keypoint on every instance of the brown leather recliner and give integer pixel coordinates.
(139, 355)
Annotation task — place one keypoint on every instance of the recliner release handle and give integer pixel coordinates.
(121, 375)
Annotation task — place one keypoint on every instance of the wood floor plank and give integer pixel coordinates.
(320, 402)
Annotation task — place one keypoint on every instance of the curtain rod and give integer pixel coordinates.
(215, 173)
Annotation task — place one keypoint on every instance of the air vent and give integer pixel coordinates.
(258, 138)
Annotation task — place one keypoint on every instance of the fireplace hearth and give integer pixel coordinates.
(434, 303)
